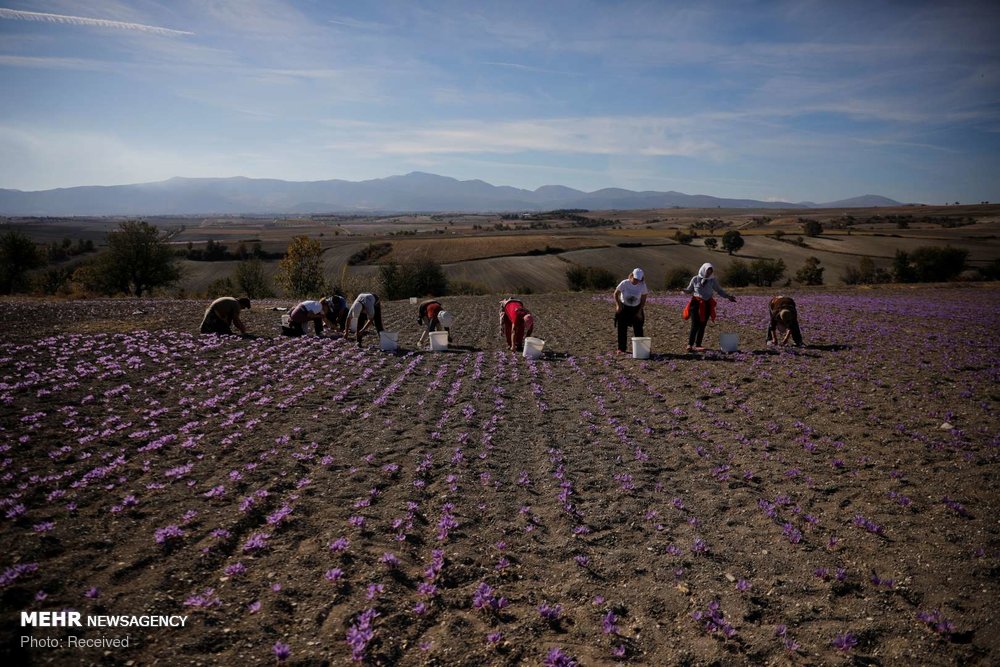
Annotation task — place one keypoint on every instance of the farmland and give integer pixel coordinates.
(496, 253)
(313, 501)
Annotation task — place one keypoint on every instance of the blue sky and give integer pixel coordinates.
(769, 100)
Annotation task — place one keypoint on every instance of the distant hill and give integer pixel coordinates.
(414, 192)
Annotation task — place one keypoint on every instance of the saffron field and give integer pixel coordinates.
(306, 501)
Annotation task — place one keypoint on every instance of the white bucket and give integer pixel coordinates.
(286, 320)
(729, 342)
(641, 347)
(413, 299)
(533, 347)
(439, 341)
(388, 341)
(446, 319)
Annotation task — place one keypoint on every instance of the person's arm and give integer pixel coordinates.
(690, 288)
(239, 323)
(515, 332)
(618, 301)
(723, 293)
(642, 302)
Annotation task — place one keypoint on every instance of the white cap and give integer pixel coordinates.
(637, 274)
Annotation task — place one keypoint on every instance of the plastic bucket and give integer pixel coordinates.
(446, 319)
(533, 347)
(439, 341)
(729, 342)
(641, 347)
(388, 341)
(413, 299)
(286, 320)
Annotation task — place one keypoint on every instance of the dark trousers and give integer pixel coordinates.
(630, 316)
(697, 331)
(214, 324)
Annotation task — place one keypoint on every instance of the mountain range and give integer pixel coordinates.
(413, 192)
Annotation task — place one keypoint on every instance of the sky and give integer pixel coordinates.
(786, 101)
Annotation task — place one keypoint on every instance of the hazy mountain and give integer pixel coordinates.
(413, 192)
(864, 201)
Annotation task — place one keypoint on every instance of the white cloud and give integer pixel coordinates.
(647, 136)
(19, 15)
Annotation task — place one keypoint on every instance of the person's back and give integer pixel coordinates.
(784, 321)
(223, 313)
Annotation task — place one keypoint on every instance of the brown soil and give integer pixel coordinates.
(848, 488)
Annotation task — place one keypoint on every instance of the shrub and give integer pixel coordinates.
(422, 277)
(250, 279)
(18, 255)
(711, 242)
(866, 273)
(370, 253)
(765, 272)
(582, 278)
(738, 274)
(811, 272)
(937, 263)
(678, 277)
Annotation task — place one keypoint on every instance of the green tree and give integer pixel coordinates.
(811, 227)
(678, 277)
(300, 271)
(18, 255)
(137, 260)
(738, 274)
(711, 242)
(732, 241)
(580, 278)
(934, 264)
(423, 277)
(902, 270)
(250, 279)
(767, 271)
(811, 272)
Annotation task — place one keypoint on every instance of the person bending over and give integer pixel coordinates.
(223, 313)
(784, 322)
(516, 323)
(365, 312)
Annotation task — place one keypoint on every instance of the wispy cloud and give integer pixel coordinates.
(19, 15)
(647, 136)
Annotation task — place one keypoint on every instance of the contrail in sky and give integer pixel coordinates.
(19, 15)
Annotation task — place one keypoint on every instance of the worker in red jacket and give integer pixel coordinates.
(516, 323)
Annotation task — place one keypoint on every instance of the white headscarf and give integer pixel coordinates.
(703, 271)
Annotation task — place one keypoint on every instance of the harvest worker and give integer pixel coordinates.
(332, 309)
(702, 305)
(431, 314)
(630, 299)
(516, 323)
(784, 322)
(223, 313)
(366, 311)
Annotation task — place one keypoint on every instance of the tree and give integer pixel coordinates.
(866, 273)
(738, 274)
(937, 263)
(137, 260)
(811, 227)
(300, 272)
(251, 279)
(711, 242)
(767, 271)
(582, 278)
(678, 277)
(811, 272)
(422, 277)
(902, 271)
(732, 241)
(18, 255)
